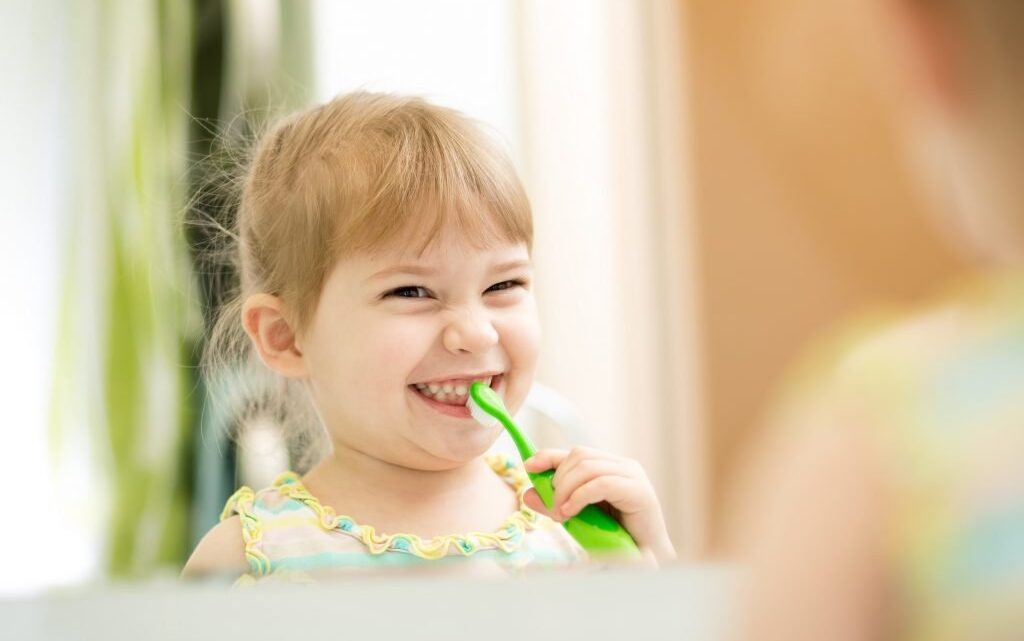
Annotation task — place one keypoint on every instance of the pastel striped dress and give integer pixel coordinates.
(289, 535)
(941, 394)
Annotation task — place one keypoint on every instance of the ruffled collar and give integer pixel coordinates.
(508, 537)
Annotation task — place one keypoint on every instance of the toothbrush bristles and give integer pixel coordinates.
(482, 417)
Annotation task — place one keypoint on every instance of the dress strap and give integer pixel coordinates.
(243, 503)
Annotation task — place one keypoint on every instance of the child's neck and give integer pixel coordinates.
(395, 498)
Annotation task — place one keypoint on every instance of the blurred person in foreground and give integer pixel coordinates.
(888, 500)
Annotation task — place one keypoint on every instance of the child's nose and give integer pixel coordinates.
(470, 331)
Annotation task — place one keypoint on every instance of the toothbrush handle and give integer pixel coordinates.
(593, 528)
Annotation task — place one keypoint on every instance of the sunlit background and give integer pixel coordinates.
(715, 183)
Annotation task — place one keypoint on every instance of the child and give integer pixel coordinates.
(890, 503)
(385, 265)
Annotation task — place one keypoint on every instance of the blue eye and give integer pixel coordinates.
(408, 292)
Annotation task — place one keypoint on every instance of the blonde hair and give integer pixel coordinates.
(355, 174)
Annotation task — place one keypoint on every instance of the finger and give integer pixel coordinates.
(577, 456)
(582, 473)
(618, 491)
(535, 503)
(546, 459)
(571, 475)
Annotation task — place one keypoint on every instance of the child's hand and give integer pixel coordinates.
(585, 475)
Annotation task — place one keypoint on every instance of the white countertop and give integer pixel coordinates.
(685, 602)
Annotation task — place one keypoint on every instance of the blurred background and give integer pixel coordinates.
(715, 183)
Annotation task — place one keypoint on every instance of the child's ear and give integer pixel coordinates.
(930, 49)
(267, 326)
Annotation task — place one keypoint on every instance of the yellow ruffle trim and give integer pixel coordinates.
(242, 503)
(508, 537)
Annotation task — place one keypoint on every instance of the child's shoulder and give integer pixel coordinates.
(221, 551)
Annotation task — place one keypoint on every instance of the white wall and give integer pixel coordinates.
(39, 548)
(459, 53)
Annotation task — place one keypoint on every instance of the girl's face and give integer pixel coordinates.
(397, 338)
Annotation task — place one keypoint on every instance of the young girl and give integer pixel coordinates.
(385, 265)
(890, 504)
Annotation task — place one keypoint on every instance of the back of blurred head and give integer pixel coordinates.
(962, 62)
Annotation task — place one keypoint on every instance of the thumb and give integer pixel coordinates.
(534, 502)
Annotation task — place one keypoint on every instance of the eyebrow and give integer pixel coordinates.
(419, 270)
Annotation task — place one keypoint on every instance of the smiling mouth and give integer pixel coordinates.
(450, 397)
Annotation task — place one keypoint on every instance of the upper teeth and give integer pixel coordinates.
(453, 389)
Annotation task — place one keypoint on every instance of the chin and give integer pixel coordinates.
(458, 454)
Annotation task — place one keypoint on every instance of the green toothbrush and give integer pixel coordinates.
(593, 528)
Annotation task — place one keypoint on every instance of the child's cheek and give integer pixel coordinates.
(392, 350)
(524, 332)
(521, 338)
